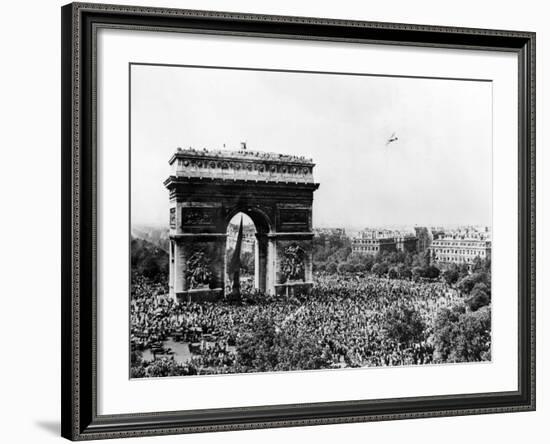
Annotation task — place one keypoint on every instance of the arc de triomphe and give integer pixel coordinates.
(207, 188)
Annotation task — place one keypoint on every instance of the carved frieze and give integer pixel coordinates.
(293, 263)
(172, 218)
(243, 165)
(198, 216)
(198, 273)
(294, 219)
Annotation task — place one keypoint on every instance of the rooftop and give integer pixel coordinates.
(242, 165)
(243, 154)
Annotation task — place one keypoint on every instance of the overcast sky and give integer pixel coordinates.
(438, 172)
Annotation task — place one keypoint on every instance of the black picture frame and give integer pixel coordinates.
(79, 396)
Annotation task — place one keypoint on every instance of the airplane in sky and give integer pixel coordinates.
(393, 138)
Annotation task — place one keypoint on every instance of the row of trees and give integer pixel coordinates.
(149, 260)
(460, 333)
(333, 254)
(395, 265)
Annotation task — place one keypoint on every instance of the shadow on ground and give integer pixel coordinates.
(53, 427)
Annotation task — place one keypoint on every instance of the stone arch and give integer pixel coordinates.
(261, 220)
(208, 188)
(263, 227)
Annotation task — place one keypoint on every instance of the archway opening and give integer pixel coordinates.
(241, 247)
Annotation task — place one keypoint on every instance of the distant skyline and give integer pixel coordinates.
(437, 173)
(247, 221)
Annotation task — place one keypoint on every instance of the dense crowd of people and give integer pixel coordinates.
(345, 316)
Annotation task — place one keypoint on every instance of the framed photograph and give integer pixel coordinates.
(278, 221)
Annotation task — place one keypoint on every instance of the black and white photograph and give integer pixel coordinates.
(299, 221)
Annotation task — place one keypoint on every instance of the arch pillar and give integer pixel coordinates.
(290, 264)
(260, 262)
(197, 266)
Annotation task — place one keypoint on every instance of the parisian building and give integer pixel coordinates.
(461, 247)
(379, 241)
(338, 232)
